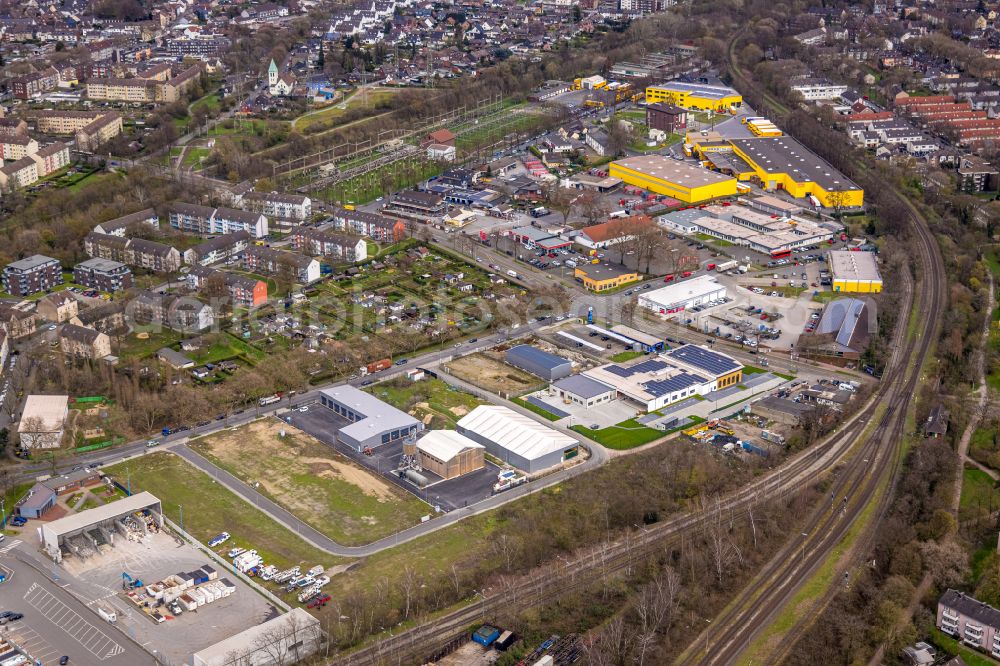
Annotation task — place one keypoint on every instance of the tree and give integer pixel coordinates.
(321, 58)
(559, 199)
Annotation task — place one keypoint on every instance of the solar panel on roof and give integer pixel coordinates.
(651, 365)
(672, 385)
(710, 361)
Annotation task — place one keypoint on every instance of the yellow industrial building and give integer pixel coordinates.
(854, 272)
(604, 277)
(777, 163)
(670, 177)
(695, 96)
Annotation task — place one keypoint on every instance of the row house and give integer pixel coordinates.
(31, 275)
(258, 259)
(84, 342)
(244, 290)
(220, 248)
(328, 244)
(378, 227)
(193, 218)
(153, 256)
(57, 307)
(103, 274)
(277, 204)
(174, 312)
(16, 322)
(108, 318)
(119, 225)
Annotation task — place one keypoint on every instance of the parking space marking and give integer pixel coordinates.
(32, 643)
(10, 546)
(64, 617)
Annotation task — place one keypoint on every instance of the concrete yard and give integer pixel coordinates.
(448, 495)
(98, 581)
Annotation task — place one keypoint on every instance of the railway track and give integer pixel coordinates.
(864, 450)
(876, 463)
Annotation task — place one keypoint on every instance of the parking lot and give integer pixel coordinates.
(57, 624)
(447, 495)
(98, 581)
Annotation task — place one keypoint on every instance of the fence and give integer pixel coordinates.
(99, 445)
(228, 566)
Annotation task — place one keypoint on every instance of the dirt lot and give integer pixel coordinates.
(488, 371)
(305, 476)
(434, 402)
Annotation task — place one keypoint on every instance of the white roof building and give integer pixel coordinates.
(286, 639)
(446, 444)
(43, 421)
(517, 439)
(681, 295)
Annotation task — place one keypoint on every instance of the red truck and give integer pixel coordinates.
(381, 364)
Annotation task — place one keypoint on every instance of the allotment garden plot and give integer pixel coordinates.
(339, 498)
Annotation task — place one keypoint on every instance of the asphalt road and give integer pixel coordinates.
(55, 623)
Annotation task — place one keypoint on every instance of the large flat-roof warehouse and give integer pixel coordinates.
(681, 295)
(664, 175)
(854, 271)
(516, 439)
(374, 422)
(784, 163)
(696, 96)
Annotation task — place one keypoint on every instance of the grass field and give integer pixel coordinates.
(432, 401)
(621, 357)
(209, 509)
(978, 490)
(622, 436)
(493, 375)
(225, 346)
(134, 346)
(323, 488)
(193, 156)
(531, 407)
(328, 117)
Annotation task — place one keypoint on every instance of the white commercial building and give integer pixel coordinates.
(818, 89)
(517, 439)
(287, 639)
(43, 421)
(682, 295)
(59, 535)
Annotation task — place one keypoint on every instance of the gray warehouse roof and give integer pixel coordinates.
(379, 416)
(583, 386)
(537, 356)
(79, 521)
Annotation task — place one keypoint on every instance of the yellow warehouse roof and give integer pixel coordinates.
(672, 171)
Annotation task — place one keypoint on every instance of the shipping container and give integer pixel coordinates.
(485, 635)
(505, 640)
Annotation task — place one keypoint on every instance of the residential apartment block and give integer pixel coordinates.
(16, 147)
(244, 290)
(103, 275)
(328, 244)
(51, 158)
(31, 275)
(276, 204)
(259, 259)
(192, 218)
(84, 342)
(153, 256)
(57, 307)
(119, 225)
(378, 227)
(420, 206)
(220, 248)
(174, 312)
(143, 90)
(969, 620)
(21, 173)
(17, 323)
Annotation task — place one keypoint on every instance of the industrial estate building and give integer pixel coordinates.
(682, 295)
(771, 234)
(374, 422)
(604, 277)
(449, 454)
(286, 639)
(583, 390)
(43, 421)
(844, 330)
(695, 96)
(854, 272)
(539, 363)
(516, 439)
(104, 521)
(664, 175)
(675, 375)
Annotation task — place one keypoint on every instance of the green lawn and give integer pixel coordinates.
(952, 646)
(621, 357)
(11, 497)
(536, 409)
(978, 490)
(209, 509)
(333, 494)
(135, 347)
(625, 435)
(193, 156)
(328, 117)
(433, 398)
(209, 102)
(827, 296)
(225, 347)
